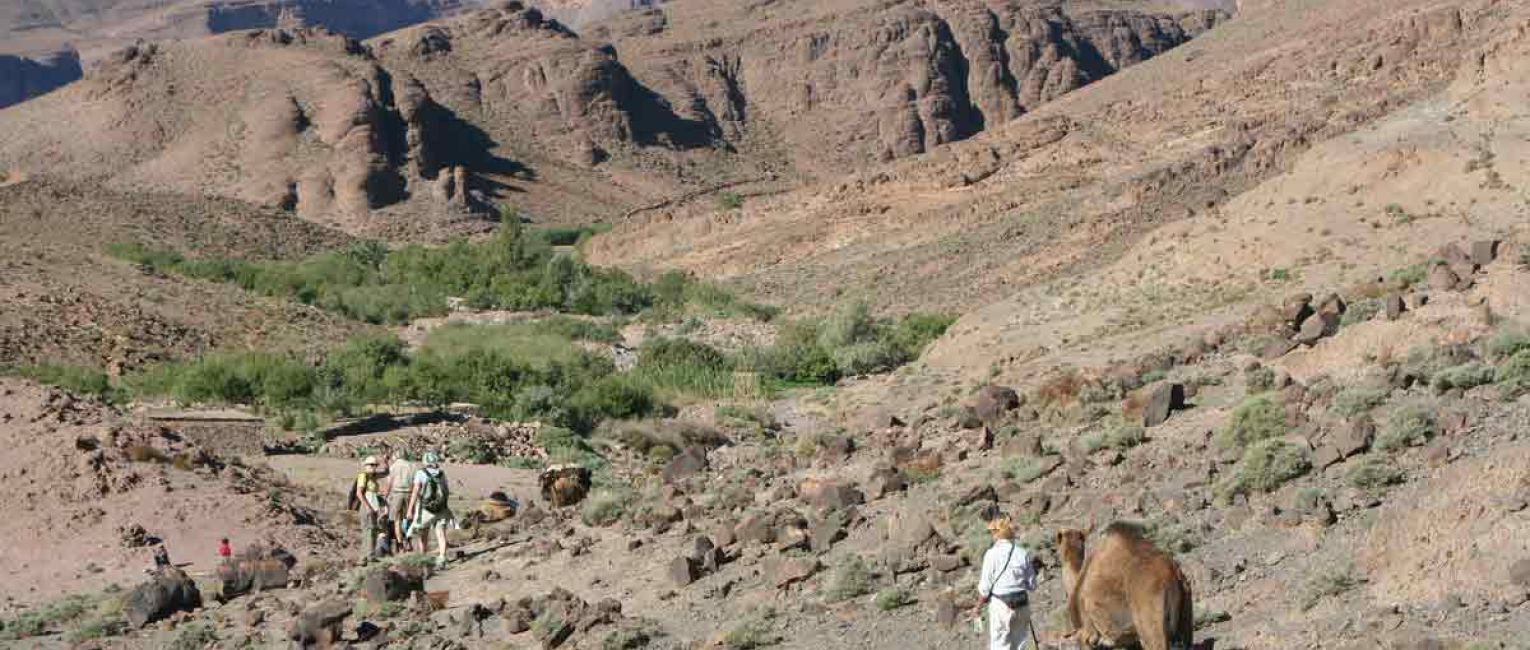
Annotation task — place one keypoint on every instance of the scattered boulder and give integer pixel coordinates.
(994, 402)
(564, 485)
(1022, 445)
(1354, 438)
(755, 528)
(392, 584)
(258, 568)
(1317, 326)
(885, 481)
(319, 626)
(1295, 309)
(784, 570)
(946, 613)
(1393, 306)
(686, 464)
(1162, 399)
(836, 450)
(836, 496)
(707, 554)
(168, 592)
(1484, 252)
(909, 539)
(1442, 278)
(683, 570)
(827, 532)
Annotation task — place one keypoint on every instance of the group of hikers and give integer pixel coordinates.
(401, 502)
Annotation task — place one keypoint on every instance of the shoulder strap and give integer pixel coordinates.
(1002, 569)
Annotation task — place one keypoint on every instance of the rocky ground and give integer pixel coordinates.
(1264, 294)
(1396, 523)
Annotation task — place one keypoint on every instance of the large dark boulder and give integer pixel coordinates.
(993, 402)
(686, 464)
(257, 568)
(1162, 399)
(319, 626)
(168, 592)
(392, 584)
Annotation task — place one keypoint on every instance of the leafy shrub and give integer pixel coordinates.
(1259, 379)
(1465, 376)
(1022, 470)
(675, 365)
(195, 635)
(1120, 435)
(1513, 377)
(1326, 585)
(1506, 343)
(565, 446)
(1208, 617)
(80, 380)
(471, 450)
(1410, 275)
(512, 270)
(1410, 424)
(1374, 471)
(847, 342)
(891, 599)
(1257, 418)
(1360, 311)
(1265, 466)
(1359, 400)
(254, 378)
(82, 616)
(730, 200)
(758, 631)
(605, 507)
(851, 579)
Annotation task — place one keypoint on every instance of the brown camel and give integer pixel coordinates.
(1125, 592)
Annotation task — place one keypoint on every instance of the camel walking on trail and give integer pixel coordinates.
(1126, 591)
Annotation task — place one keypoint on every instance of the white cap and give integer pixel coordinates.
(370, 460)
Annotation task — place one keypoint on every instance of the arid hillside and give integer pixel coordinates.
(504, 107)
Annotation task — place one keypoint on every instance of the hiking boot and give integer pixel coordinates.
(440, 563)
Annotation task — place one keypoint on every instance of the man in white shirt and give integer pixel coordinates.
(1005, 586)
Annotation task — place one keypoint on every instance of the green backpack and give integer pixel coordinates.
(433, 493)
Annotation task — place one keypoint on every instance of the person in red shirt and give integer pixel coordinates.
(224, 550)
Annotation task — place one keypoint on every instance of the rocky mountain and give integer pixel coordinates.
(92, 29)
(518, 108)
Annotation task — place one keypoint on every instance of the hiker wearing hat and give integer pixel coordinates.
(400, 482)
(368, 493)
(1005, 587)
(428, 506)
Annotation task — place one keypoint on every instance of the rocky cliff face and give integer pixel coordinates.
(881, 81)
(22, 77)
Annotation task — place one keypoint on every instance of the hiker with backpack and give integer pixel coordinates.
(367, 497)
(428, 507)
(1005, 585)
